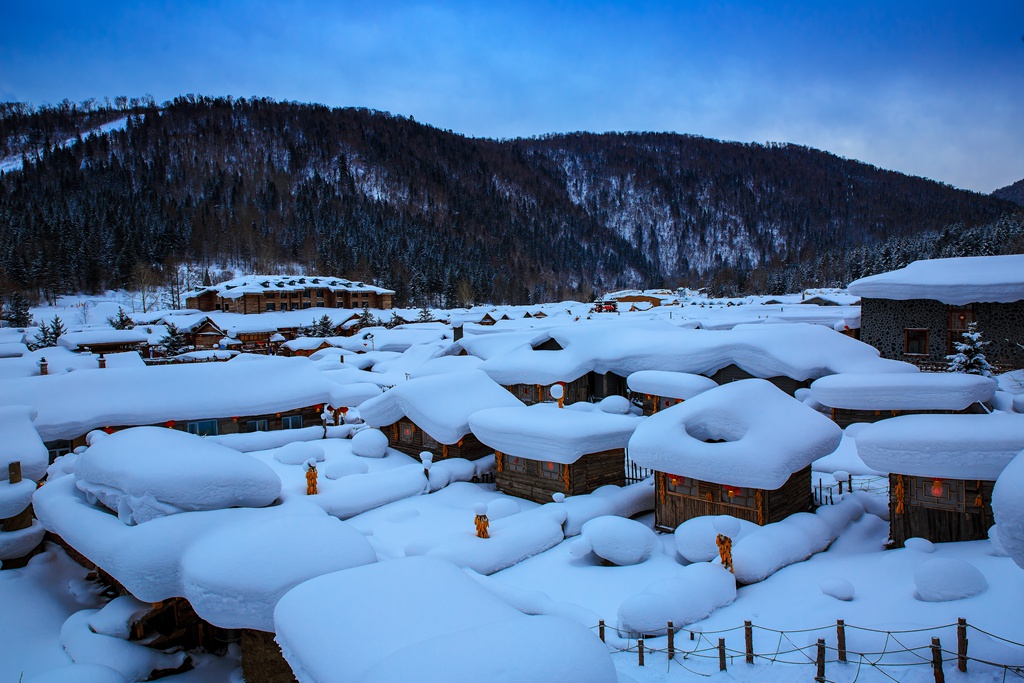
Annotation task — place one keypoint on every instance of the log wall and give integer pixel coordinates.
(468, 447)
(966, 521)
(583, 476)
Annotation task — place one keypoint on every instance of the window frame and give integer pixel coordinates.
(287, 421)
(906, 341)
(195, 427)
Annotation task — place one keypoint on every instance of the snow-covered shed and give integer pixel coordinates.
(439, 623)
(655, 390)
(743, 449)
(542, 449)
(248, 393)
(104, 340)
(918, 312)
(432, 413)
(942, 469)
(870, 397)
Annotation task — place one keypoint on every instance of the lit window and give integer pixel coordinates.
(406, 432)
(514, 463)
(686, 486)
(741, 496)
(551, 470)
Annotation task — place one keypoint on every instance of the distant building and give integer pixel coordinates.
(269, 293)
(917, 313)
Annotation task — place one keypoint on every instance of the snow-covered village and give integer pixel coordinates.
(533, 342)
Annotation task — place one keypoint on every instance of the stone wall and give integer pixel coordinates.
(883, 322)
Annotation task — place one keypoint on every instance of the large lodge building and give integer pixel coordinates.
(267, 293)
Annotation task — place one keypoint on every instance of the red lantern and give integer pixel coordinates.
(344, 410)
(169, 424)
(108, 430)
(937, 488)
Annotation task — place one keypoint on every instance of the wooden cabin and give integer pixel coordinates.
(541, 450)
(870, 397)
(265, 293)
(574, 391)
(733, 373)
(656, 390)
(942, 469)
(206, 335)
(538, 480)
(743, 449)
(406, 436)
(680, 498)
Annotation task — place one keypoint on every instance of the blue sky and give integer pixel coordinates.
(929, 88)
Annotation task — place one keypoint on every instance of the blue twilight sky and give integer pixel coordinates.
(928, 88)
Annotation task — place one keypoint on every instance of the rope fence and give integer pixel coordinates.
(693, 650)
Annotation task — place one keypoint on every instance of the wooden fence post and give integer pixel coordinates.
(820, 678)
(961, 644)
(640, 651)
(748, 637)
(671, 641)
(600, 629)
(937, 661)
(841, 639)
(721, 654)
(14, 472)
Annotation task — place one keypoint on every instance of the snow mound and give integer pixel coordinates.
(695, 538)
(1018, 403)
(921, 545)
(117, 617)
(699, 590)
(794, 539)
(944, 578)
(21, 443)
(15, 497)
(299, 452)
(840, 589)
(149, 472)
(370, 443)
(1008, 508)
(15, 544)
(618, 540)
(997, 545)
(615, 405)
(668, 384)
(134, 661)
(339, 467)
(503, 507)
(80, 673)
(235, 575)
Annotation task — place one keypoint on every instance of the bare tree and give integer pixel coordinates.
(145, 281)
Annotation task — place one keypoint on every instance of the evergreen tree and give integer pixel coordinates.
(49, 334)
(425, 316)
(969, 357)
(366, 319)
(121, 321)
(17, 313)
(324, 327)
(174, 341)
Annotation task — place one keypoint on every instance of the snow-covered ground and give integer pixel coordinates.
(157, 509)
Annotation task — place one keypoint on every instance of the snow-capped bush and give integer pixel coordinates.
(944, 578)
(619, 540)
(370, 443)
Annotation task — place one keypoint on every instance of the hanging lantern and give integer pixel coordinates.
(169, 424)
(344, 410)
(937, 488)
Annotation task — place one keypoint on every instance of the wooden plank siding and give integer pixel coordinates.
(959, 518)
(672, 509)
(583, 476)
(845, 417)
(575, 391)
(409, 438)
(733, 373)
(229, 425)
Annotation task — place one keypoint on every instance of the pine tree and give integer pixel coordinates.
(17, 313)
(121, 321)
(49, 334)
(366, 319)
(969, 357)
(324, 327)
(425, 316)
(174, 341)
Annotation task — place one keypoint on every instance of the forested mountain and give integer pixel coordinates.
(369, 195)
(1013, 193)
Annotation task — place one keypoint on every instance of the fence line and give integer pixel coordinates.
(699, 646)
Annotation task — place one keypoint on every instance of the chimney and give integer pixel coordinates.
(44, 367)
(103, 362)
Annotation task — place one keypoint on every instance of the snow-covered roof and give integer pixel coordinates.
(72, 404)
(903, 391)
(258, 284)
(946, 446)
(438, 404)
(954, 281)
(766, 436)
(800, 351)
(21, 443)
(77, 340)
(545, 432)
(452, 629)
(669, 384)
